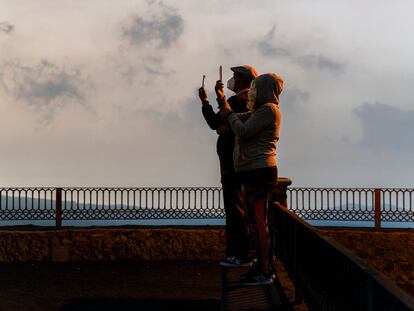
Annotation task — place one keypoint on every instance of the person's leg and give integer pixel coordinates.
(260, 208)
(260, 182)
(237, 233)
(228, 229)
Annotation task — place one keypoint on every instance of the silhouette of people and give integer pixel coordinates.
(255, 159)
(236, 229)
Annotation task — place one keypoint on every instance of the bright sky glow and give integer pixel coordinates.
(104, 92)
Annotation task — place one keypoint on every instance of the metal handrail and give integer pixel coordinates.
(326, 274)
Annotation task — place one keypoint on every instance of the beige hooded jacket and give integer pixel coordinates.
(256, 139)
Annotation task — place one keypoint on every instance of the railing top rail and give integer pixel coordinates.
(348, 189)
(301, 188)
(27, 188)
(110, 188)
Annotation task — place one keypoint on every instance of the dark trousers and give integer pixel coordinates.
(237, 228)
(257, 185)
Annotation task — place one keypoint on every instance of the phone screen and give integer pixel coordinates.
(221, 72)
(203, 83)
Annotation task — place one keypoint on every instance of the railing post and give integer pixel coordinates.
(377, 209)
(58, 204)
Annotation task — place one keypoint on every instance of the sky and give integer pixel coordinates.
(104, 93)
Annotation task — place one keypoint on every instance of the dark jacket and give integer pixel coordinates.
(225, 141)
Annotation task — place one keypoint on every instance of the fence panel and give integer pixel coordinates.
(352, 204)
(27, 204)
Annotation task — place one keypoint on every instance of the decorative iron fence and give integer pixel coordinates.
(27, 203)
(327, 275)
(59, 204)
(141, 203)
(73, 203)
(353, 204)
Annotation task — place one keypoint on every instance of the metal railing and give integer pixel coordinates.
(27, 203)
(59, 204)
(327, 275)
(353, 204)
(75, 203)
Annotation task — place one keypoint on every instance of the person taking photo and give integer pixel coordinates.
(236, 229)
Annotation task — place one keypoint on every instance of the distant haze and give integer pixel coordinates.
(103, 93)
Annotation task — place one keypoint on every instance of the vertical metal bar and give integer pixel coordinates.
(377, 210)
(58, 202)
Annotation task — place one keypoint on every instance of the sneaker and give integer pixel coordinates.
(252, 272)
(272, 272)
(258, 278)
(233, 261)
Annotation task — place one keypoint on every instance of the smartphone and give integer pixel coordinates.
(221, 72)
(203, 83)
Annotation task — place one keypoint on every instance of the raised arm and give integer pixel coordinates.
(258, 121)
(213, 120)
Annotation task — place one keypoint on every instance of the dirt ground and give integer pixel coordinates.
(90, 286)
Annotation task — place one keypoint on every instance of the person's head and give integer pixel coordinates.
(242, 77)
(266, 88)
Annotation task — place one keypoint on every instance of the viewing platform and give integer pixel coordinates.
(60, 267)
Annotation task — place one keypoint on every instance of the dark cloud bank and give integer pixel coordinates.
(155, 33)
(268, 48)
(6, 27)
(44, 87)
(162, 25)
(385, 127)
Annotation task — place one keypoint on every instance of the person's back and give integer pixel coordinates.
(257, 138)
(259, 150)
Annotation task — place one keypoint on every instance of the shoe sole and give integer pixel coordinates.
(235, 265)
(264, 282)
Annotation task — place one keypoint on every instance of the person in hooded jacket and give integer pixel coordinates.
(236, 229)
(255, 159)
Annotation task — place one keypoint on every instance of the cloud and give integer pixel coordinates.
(293, 98)
(156, 72)
(267, 48)
(320, 62)
(385, 127)
(161, 26)
(6, 27)
(45, 87)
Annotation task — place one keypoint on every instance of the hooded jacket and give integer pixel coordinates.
(256, 139)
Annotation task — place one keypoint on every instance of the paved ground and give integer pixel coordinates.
(93, 286)
(110, 286)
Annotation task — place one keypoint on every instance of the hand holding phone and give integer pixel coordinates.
(219, 88)
(221, 72)
(202, 91)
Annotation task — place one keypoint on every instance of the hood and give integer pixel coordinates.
(268, 86)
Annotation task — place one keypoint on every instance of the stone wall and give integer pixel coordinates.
(176, 243)
(391, 252)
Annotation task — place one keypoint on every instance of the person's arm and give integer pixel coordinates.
(213, 120)
(244, 116)
(257, 122)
